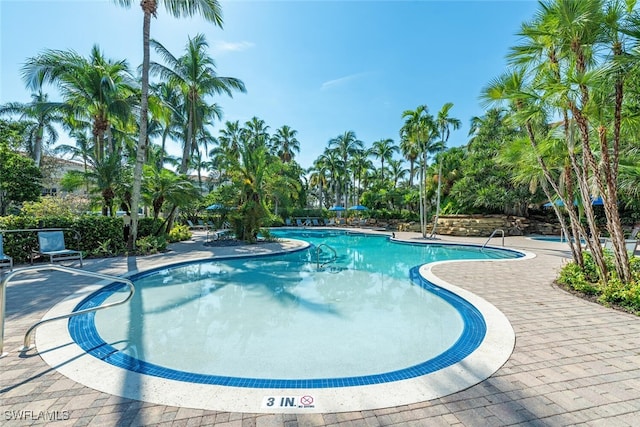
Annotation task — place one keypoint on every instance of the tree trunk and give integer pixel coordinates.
(148, 7)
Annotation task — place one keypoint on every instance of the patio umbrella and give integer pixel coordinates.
(595, 201)
(557, 203)
(337, 208)
(215, 207)
(358, 208)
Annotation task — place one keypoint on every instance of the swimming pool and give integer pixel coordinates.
(374, 286)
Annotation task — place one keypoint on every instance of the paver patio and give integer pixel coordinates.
(574, 363)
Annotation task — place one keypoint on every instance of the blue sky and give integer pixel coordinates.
(321, 67)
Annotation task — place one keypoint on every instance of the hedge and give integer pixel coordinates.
(94, 231)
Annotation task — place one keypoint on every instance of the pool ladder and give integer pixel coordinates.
(319, 251)
(37, 268)
(492, 235)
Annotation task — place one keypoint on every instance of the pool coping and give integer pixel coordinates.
(60, 352)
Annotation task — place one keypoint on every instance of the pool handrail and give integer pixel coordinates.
(27, 337)
(319, 249)
(493, 234)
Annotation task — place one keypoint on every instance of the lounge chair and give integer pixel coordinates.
(630, 244)
(52, 245)
(288, 222)
(5, 259)
(299, 223)
(315, 222)
(192, 226)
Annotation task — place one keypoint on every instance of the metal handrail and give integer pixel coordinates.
(493, 234)
(319, 249)
(27, 336)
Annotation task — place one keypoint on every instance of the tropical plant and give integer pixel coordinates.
(39, 117)
(211, 11)
(19, 179)
(419, 128)
(444, 123)
(284, 143)
(383, 149)
(194, 73)
(94, 89)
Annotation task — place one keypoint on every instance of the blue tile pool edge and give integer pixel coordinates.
(83, 332)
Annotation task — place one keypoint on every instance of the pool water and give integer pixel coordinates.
(365, 317)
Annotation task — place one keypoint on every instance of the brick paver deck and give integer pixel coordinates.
(574, 363)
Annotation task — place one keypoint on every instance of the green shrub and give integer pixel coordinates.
(273, 221)
(179, 233)
(267, 236)
(148, 226)
(151, 245)
(573, 277)
(613, 292)
(96, 233)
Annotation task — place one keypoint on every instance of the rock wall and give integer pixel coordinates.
(483, 225)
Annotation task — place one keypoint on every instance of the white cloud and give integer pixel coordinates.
(222, 46)
(340, 81)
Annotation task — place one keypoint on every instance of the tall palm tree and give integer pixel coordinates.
(166, 105)
(209, 10)
(397, 171)
(256, 133)
(346, 145)
(383, 149)
(444, 123)
(93, 89)
(318, 179)
(359, 164)
(285, 144)
(332, 162)
(420, 128)
(409, 150)
(40, 115)
(194, 73)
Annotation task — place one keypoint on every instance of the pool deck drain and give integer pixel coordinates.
(574, 362)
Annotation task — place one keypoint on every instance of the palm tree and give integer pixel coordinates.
(106, 173)
(40, 116)
(82, 149)
(164, 186)
(359, 164)
(420, 128)
(332, 162)
(318, 179)
(397, 170)
(211, 11)
(96, 89)
(194, 73)
(166, 105)
(383, 149)
(444, 123)
(346, 145)
(256, 133)
(409, 151)
(285, 144)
